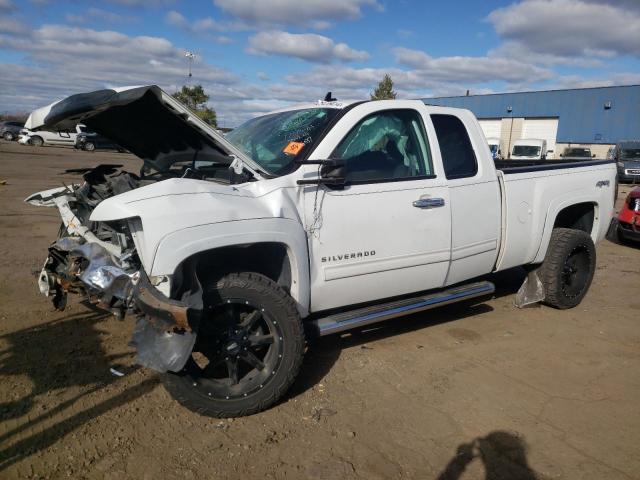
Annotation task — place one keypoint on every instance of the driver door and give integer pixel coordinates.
(388, 231)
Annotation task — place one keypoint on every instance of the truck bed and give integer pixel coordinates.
(535, 192)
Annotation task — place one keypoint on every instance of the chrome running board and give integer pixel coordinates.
(339, 322)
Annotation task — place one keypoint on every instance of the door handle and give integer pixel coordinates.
(428, 202)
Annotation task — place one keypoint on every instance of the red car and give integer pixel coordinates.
(629, 217)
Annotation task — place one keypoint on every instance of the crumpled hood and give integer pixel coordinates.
(176, 199)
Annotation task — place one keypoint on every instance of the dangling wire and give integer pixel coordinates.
(316, 224)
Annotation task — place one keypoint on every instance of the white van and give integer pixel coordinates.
(494, 146)
(529, 149)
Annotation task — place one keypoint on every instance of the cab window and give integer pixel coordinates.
(458, 157)
(386, 146)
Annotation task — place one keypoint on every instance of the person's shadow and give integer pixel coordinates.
(503, 455)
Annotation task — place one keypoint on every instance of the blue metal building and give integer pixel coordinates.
(602, 115)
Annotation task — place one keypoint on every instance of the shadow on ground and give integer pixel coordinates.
(57, 355)
(324, 352)
(503, 456)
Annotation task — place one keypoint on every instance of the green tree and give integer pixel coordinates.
(384, 90)
(195, 98)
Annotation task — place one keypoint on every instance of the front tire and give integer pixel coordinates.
(36, 141)
(568, 268)
(89, 147)
(8, 136)
(248, 352)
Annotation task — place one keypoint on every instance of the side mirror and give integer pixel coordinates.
(332, 172)
(593, 155)
(561, 155)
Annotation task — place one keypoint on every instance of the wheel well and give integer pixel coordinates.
(270, 259)
(578, 217)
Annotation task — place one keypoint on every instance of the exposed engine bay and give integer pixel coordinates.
(93, 258)
(99, 261)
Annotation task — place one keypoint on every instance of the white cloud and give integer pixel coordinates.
(566, 28)
(64, 60)
(295, 12)
(204, 27)
(12, 26)
(306, 46)
(576, 81)
(93, 15)
(6, 6)
(471, 69)
(142, 3)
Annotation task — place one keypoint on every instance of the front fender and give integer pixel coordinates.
(176, 247)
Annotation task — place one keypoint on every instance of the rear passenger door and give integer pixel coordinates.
(474, 194)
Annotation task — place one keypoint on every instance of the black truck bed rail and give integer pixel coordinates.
(523, 166)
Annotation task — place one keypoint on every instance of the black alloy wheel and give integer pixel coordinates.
(568, 267)
(575, 271)
(248, 350)
(237, 354)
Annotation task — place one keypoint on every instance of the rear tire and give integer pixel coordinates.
(568, 268)
(36, 141)
(248, 352)
(8, 136)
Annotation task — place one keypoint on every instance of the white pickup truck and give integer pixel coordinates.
(318, 219)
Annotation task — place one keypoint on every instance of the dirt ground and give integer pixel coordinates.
(487, 391)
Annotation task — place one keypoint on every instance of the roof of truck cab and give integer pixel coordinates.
(338, 105)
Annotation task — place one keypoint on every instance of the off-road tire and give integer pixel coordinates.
(36, 141)
(564, 247)
(259, 290)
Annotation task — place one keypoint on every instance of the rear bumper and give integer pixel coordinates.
(626, 177)
(629, 231)
(629, 178)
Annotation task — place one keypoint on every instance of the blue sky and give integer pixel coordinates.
(253, 56)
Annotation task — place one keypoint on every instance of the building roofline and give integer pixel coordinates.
(531, 91)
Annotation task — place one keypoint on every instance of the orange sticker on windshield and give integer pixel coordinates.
(293, 148)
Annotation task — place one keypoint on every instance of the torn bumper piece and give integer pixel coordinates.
(166, 330)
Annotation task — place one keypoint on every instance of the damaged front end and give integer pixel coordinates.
(99, 260)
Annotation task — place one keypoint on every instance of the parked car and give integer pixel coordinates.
(529, 149)
(320, 218)
(629, 217)
(627, 156)
(44, 137)
(90, 141)
(577, 153)
(9, 130)
(494, 147)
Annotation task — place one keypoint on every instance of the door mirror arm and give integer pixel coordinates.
(332, 172)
